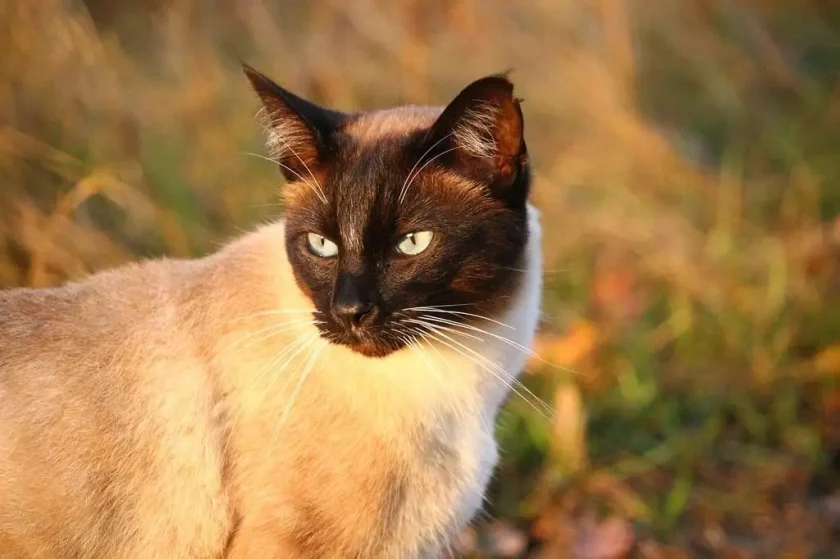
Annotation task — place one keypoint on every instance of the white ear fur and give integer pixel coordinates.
(474, 132)
(284, 136)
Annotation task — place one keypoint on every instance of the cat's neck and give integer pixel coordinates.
(252, 291)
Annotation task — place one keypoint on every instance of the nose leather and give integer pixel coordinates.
(353, 305)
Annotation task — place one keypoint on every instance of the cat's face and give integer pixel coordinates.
(391, 213)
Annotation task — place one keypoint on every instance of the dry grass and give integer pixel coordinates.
(687, 171)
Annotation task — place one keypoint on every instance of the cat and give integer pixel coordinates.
(324, 386)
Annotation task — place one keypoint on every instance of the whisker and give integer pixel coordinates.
(426, 358)
(305, 166)
(543, 272)
(511, 382)
(276, 313)
(460, 313)
(419, 160)
(491, 363)
(528, 351)
(293, 398)
(295, 173)
(443, 306)
(524, 349)
(425, 318)
(429, 162)
(475, 329)
(302, 341)
(418, 344)
(267, 333)
(413, 343)
(297, 345)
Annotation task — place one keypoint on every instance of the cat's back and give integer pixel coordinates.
(95, 380)
(51, 335)
(137, 287)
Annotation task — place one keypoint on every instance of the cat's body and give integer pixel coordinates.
(199, 409)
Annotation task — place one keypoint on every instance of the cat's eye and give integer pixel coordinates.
(413, 244)
(321, 246)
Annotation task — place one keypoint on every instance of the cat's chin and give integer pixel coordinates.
(368, 348)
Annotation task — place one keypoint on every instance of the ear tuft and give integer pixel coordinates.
(474, 132)
(481, 132)
(281, 134)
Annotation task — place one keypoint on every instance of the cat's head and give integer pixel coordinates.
(392, 213)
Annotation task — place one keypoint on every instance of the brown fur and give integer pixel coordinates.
(398, 121)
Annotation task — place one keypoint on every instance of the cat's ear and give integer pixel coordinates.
(480, 133)
(298, 131)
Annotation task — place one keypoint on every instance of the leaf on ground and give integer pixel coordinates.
(611, 539)
(616, 293)
(827, 361)
(566, 350)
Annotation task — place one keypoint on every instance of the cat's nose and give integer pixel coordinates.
(353, 305)
(355, 314)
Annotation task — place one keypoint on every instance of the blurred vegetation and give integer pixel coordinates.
(687, 159)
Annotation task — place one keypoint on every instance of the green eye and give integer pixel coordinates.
(321, 246)
(413, 244)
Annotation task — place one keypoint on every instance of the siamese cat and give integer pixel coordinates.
(325, 386)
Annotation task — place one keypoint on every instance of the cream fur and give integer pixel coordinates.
(163, 378)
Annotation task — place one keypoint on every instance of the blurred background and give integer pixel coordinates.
(687, 158)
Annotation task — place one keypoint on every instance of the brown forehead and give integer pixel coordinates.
(399, 121)
(448, 186)
(434, 183)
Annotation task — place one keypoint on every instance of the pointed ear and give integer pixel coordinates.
(298, 132)
(480, 133)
